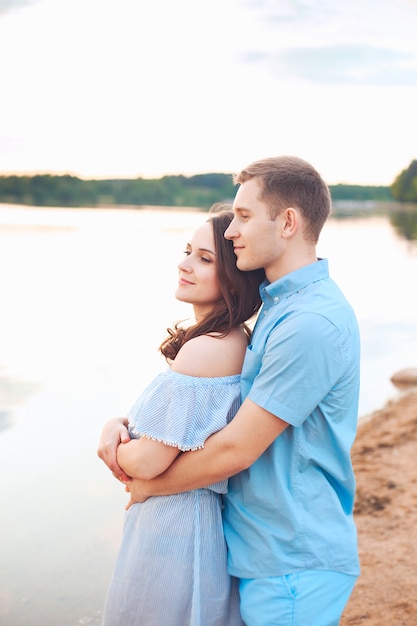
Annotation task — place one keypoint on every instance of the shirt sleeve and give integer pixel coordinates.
(303, 359)
(183, 411)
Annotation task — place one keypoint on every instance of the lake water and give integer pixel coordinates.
(86, 296)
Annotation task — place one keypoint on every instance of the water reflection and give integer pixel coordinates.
(13, 392)
(89, 294)
(402, 216)
(347, 209)
(405, 222)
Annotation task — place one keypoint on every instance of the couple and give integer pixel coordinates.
(281, 432)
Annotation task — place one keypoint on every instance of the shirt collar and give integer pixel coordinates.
(294, 281)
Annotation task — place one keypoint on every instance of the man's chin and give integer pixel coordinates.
(243, 266)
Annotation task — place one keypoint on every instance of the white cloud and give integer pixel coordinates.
(342, 64)
(336, 42)
(13, 5)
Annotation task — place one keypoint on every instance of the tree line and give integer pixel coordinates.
(404, 187)
(201, 190)
(70, 191)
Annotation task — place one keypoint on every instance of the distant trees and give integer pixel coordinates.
(69, 191)
(201, 190)
(360, 193)
(404, 187)
(46, 190)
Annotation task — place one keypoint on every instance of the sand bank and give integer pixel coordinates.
(385, 461)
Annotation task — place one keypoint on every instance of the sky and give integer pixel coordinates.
(128, 88)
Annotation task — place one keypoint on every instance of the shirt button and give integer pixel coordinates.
(276, 299)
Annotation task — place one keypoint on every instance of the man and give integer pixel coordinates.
(288, 513)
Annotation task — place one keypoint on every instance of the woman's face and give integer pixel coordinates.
(198, 282)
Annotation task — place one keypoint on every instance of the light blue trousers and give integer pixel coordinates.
(308, 598)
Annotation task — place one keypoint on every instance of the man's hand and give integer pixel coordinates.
(139, 491)
(114, 432)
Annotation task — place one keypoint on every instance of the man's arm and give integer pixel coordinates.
(203, 356)
(227, 452)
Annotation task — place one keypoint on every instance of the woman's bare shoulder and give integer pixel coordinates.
(212, 356)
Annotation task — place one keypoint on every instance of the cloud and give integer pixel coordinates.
(334, 42)
(341, 64)
(10, 5)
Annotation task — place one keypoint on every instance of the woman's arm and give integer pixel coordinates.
(113, 434)
(203, 356)
(145, 458)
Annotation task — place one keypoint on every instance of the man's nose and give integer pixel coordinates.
(230, 232)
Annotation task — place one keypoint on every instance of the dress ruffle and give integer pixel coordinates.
(183, 411)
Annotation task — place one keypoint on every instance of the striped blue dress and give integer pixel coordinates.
(171, 567)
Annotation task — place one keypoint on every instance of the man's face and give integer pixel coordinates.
(256, 237)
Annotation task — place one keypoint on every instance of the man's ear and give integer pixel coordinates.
(291, 222)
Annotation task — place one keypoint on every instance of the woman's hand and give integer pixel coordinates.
(114, 433)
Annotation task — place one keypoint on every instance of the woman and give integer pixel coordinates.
(171, 568)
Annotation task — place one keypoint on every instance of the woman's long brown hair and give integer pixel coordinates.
(240, 292)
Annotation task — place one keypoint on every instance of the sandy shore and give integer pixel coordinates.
(385, 461)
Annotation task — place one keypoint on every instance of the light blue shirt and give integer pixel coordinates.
(292, 509)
